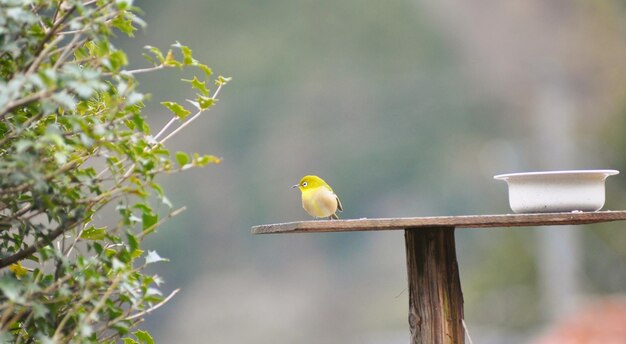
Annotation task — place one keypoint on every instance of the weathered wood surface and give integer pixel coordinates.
(464, 221)
(435, 297)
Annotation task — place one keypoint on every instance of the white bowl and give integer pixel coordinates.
(556, 191)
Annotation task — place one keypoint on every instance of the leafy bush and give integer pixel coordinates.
(74, 146)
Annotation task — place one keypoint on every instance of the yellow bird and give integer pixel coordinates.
(318, 199)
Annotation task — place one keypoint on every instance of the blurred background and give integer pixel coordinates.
(407, 108)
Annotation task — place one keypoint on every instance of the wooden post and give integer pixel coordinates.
(435, 297)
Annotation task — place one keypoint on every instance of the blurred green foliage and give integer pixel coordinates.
(74, 145)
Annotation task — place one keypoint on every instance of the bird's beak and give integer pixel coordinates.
(295, 186)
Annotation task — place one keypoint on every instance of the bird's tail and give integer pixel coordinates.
(334, 217)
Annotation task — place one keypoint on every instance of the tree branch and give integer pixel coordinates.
(30, 250)
(49, 34)
(12, 105)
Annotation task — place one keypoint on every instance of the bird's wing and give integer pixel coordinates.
(339, 206)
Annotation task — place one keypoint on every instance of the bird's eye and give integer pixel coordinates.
(304, 184)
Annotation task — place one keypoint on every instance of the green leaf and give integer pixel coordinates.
(182, 158)
(206, 159)
(177, 109)
(136, 253)
(19, 15)
(222, 80)
(149, 219)
(133, 243)
(11, 290)
(158, 188)
(157, 53)
(94, 233)
(118, 60)
(123, 4)
(124, 24)
(144, 337)
(171, 61)
(205, 102)
(80, 53)
(149, 59)
(199, 85)
(140, 123)
(130, 341)
(65, 100)
(101, 48)
(206, 69)
(122, 329)
(187, 54)
(39, 310)
(109, 252)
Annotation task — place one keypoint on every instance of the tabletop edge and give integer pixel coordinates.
(458, 221)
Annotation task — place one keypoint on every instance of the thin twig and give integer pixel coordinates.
(116, 334)
(143, 70)
(171, 121)
(25, 209)
(34, 9)
(466, 331)
(192, 118)
(41, 50)
(164, 301)
(14, 133)
(104, 298)
(71, 313)
(400, 293)
(24, 325)
(183, 125)
(13, 320)
(45, 241)
(19, 188)
(160, 222)
(87, 28)
(6, 314)
(70, 47)
(69, 249)
(180, 127)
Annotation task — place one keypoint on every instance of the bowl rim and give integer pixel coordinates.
(606, 173)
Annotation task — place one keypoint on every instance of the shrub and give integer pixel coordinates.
(74, 146)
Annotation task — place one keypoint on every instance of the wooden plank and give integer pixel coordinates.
(435, 297)
(464, 221)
